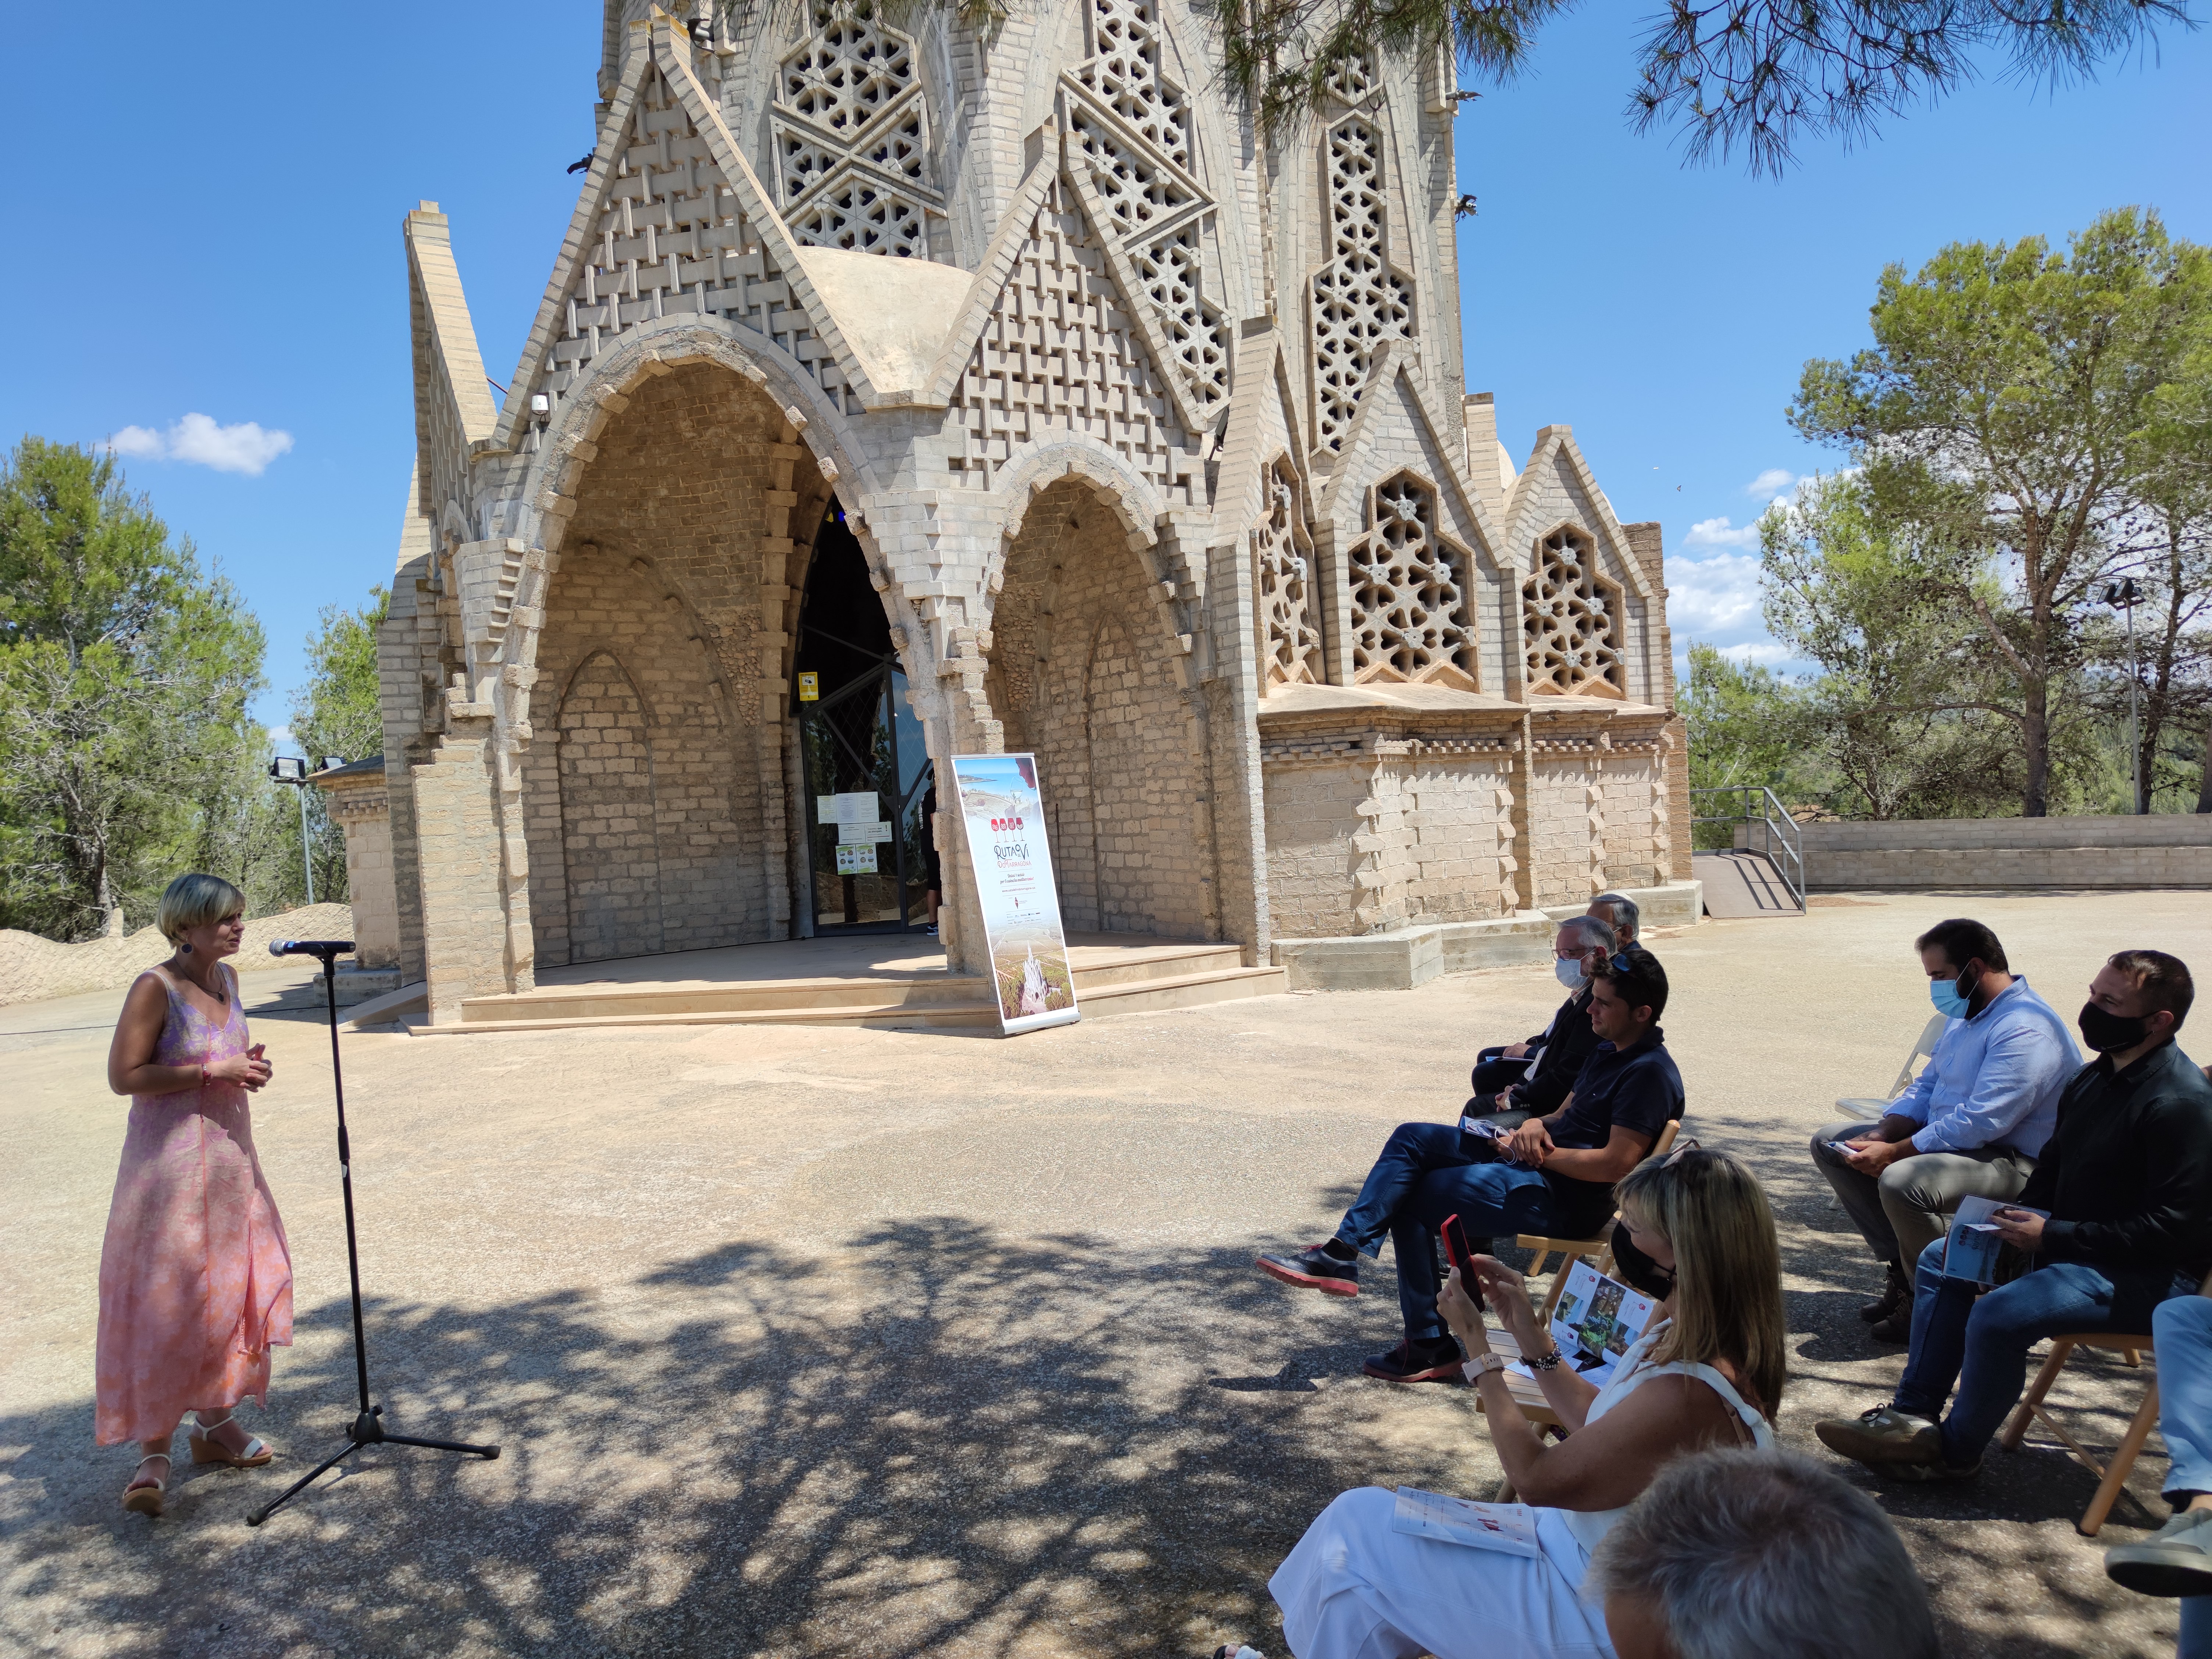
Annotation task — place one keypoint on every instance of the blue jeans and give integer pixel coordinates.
(1981, 1344)
(1422, 1177)
(2183, 1332)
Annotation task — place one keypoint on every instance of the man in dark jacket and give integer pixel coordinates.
(1532, 1077)
(2126, 1181)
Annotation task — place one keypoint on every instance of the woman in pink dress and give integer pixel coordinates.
(195, 1281)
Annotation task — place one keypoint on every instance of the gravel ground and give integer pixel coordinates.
(878, 1343)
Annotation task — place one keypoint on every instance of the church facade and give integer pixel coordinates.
(900, 395)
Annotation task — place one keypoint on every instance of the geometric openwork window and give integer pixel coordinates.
(851, 135)
(1410, 619)
(1281, 551)
(1359, 302)
(1571, 620)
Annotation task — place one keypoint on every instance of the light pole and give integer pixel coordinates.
(292, 769)
(2125, 594)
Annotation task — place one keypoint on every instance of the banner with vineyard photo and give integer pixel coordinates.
(1003, 812)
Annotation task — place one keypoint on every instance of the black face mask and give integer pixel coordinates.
(1633, 1268)
(2106, 1032)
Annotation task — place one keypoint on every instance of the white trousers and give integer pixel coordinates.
(1355, 1588)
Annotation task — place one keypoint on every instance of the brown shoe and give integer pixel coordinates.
(1896, 1293)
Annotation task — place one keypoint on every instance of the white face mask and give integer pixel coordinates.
(1568, 970)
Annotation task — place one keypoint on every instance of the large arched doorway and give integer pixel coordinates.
(1082, 674)
(867, 772)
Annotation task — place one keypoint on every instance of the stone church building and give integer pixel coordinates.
(894, 395)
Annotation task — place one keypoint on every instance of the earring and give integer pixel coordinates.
(186, 949)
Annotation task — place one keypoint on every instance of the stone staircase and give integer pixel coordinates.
(1137, 979)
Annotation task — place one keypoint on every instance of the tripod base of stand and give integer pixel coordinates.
(368, 1429)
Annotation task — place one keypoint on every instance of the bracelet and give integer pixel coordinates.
(204, 1078)
(1549, 1362)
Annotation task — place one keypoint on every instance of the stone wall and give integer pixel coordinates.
(2161, 849)
(1083, 674)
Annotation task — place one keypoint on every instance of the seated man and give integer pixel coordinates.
(1538, 1076)
(2126, 1180)
(1758, 1555)
(1972, 1125)
(2177, 1559)
(1556, 1175)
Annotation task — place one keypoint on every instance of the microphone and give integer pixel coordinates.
(311, 947)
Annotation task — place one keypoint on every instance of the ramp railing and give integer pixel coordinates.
(1768, 829)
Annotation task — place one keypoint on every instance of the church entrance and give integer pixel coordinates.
(867, 773)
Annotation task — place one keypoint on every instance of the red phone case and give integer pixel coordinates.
(1461, 1258)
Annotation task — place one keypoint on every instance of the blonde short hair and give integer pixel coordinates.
(195, 901)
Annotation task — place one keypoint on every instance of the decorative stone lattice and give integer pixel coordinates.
(1290, 644)
(852, 139)
(1409, 611)
(1129, 124)
(670, 239)
(1570, 616)
(1358, 300)
(1059, 352)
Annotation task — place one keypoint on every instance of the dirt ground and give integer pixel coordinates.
(805, 1342)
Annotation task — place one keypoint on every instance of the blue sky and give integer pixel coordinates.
(229, 247)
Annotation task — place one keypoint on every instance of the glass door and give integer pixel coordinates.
(867, 773)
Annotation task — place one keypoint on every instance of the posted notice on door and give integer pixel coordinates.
(1003, 813)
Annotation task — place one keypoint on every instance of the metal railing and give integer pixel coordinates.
(1768, 829)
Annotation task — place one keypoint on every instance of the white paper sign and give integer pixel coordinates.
(856, 860)
(1003, 814)
(863, 806)
(868, 834)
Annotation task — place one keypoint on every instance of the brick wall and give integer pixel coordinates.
(1082, 673)
(2159, 849)
(1314, 821)
(643, 792)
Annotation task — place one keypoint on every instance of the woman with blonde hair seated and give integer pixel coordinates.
(1709, 1371)
(195, 1279)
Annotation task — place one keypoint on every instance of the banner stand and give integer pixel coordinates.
(1003, 813)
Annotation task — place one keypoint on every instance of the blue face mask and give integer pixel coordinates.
(1949, 1000)
(1568, 970)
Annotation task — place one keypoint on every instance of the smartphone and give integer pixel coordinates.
(1462, 1258)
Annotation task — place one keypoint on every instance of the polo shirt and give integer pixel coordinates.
(1634, 1087)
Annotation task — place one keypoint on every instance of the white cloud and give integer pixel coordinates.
(1706, 596)
(1775, 481)
(1720, 532)
(198, 441)
(1766, 652)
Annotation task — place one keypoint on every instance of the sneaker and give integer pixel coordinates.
(1314, 1269)
(2175, 1560)
(1882, 1436)
(1438, 1361)
(1938, 1470)
(1896, 1293)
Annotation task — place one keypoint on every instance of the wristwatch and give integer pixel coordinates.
(1481, 1363)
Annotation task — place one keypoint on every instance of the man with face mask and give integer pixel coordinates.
(1969, 1128)
(1542, 1074)
(2126, 1180)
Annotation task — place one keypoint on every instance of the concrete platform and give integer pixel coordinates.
(885, 980)
(1743, 883)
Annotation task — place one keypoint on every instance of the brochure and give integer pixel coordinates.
(1596, 1321)
(1970, 1248)
(1510, 1528)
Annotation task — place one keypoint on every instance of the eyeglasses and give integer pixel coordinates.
(1681, 1149)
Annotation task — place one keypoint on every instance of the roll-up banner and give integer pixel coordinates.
(1005, 818)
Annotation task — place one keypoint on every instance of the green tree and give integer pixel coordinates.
(1897, 710)
(336, 713)
(1754, 76)
(125, 672)
(2000, 419)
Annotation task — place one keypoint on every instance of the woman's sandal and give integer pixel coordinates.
(206, 1448)
(144, 1497)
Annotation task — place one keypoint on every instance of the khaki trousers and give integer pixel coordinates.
(1908, 1207)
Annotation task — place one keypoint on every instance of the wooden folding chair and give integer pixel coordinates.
(1571, 1250)
(2113, 1476)
(1923, 1047)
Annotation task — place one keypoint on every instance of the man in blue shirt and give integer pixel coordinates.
(1972, 1126)
(1553, 1175)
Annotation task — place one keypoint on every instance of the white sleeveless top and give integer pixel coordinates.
(1587, 1527)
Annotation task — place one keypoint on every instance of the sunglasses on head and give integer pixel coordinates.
(1681, 1149)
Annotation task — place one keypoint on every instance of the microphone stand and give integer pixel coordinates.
(367, 1428)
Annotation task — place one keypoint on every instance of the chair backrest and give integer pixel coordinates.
(1665, 1144)
(1923, 1047)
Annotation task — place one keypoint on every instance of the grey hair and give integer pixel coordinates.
(1625, 913)
(194, 901)
(1591, 932)
(1764, 1554)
